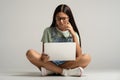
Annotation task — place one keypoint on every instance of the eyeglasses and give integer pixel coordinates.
(62, 18)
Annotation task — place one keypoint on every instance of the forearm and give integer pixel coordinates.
(78, 48)
(43, 47)
(75, 39)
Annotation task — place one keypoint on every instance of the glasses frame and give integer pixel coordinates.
(62, 18)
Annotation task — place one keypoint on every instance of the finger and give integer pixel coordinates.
(67, 28)
(47, 58)
(68, 22)
(45, 54)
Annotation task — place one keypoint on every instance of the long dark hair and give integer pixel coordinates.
(64, 8)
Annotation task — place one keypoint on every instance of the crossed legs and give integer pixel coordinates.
(35, 58)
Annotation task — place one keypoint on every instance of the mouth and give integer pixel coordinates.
(62, 28)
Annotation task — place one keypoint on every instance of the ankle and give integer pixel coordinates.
(64, 72)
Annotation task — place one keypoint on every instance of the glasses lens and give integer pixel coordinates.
(62, 18)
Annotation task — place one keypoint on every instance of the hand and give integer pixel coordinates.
(70, 28)
(44, 57)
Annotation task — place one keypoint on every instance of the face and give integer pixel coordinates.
(61, 20)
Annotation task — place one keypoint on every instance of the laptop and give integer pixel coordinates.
(63, 51)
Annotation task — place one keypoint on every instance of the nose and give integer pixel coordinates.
(61, 21)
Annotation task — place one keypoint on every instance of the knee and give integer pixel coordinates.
(87, 58)
(29, 53)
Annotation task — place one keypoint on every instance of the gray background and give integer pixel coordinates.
(22, 23)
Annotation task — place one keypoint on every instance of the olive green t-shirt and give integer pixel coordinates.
(47, 36)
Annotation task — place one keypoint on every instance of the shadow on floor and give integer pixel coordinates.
(33, 74)
(26, 74)
(36, 74)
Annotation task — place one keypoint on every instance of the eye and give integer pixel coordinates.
(62, 18)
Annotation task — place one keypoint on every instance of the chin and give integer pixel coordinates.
(62, 29)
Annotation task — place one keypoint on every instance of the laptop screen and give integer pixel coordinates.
(61, 51)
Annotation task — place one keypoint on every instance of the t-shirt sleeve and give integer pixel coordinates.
(45, 36)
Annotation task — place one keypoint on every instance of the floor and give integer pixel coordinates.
(88, 75)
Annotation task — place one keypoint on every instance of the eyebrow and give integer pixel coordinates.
(62, 17)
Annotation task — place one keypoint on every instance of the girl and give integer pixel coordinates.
(62, 29)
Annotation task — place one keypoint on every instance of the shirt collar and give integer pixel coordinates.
(64, 33)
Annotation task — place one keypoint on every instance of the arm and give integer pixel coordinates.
(44, 57)
(76, 63)
(43, 47)
(78, 49)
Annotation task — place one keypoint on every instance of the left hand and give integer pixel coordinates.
(44, 57)
(70, 28)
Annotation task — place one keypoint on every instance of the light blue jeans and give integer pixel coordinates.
(58, 62)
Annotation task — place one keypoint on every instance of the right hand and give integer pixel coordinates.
(44, 57)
